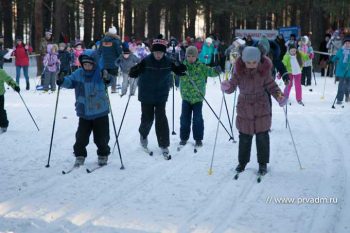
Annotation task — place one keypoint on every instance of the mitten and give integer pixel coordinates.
(226, 86)
(105, 77)
(59, 80)
(179, 69)
(283, 101)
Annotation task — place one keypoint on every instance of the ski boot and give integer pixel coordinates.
(262, 169)
(79, 161)
(165, 153)
(199, 143)
(102, 160)
(240, 167)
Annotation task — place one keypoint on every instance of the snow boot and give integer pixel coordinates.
(165, 153)
(183, 142)
(79, 161)
(301, 103)
(199, 143)
(347, 99)
(27, 86)
(3, 130)
(262, 169)
(339, 102)
(240, 167)
(102, 160)
(143, 141)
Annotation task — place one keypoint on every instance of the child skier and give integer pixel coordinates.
(305, 47)
(125, 62)
(51, 64)
(4, 77)
(92, 107)
(154, 85)
(254, 79)
(293, 60)
(65, 59)
(192, 101)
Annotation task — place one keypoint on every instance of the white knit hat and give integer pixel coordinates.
(112, 30)
(209, 40)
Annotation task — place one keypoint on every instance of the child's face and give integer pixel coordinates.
(191, 58)
(53, 50)
(347, 44)
(126, 55)
(251, 64)
(78, 47)
(88, 66)
(61, 47)
(293, 51)
(158, 55)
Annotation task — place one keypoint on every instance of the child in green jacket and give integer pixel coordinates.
(4, 77)
(192, 88)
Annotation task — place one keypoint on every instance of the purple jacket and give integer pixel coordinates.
(51, 61)
(253, 107)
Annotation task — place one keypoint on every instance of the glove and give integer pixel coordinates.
(285, 79)
(105, 77)
(59, 80)
(226, 87)
(180, 69)
(278, 76)
(17, 89)
(135, 71)
(282, 101)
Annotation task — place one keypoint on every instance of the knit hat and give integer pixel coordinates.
(192, 50)
(86, 59)
(159, 45)
(251, 53)
(291, 46)
(209, 40)
(346, 39)
(126, 50)
(48, 33)
(62, 45)
(112, 30)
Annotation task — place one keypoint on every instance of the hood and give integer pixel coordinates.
(264, 67)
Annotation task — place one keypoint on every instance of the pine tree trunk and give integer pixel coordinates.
(87, 21)
(7, 19)
(207, 20)
(191, 19)
(127, 18)
(153, 16)
(20, 18)
(47, 14)
(139, 25)
(59, 20)
(176, 19)
(98, 20)
(72, 21)
(38, 22)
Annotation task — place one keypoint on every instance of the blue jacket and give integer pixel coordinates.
(91, 101)
(154, 80)
(110, 49)
(343, 69)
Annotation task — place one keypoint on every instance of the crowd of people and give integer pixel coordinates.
(252, 66)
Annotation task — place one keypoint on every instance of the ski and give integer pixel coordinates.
(64, 172)
(94, 168)
(148, 151)
(180, 147)
(236, 176)
(260, 176)
(166, 156)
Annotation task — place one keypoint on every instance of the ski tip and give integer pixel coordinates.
(195, 151)
(236, 176)
(63, 172)
(151, 153)
(88, 171)
(258, 180)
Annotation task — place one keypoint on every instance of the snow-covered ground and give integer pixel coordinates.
(154, 195)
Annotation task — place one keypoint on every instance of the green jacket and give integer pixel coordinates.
(198, 72)
(4, 77)
(287, 64)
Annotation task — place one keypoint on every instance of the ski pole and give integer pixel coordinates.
(228, 115)
(115, 131)
(53, 126)
(324, 87)
(313, 71)
(286, 114)
(28, 110)
(121, 123)
(334, 101)
(234, 107)
(210, 172)
(173, 133)
(201, 94)
(291, 135)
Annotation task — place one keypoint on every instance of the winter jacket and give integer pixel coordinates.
(307, 49)
(342, 68)
(198, 73)
(287, 63)
(206, 54)
(90, 93)
(51, 61)
(5, 78)
(253, 106)
(334, 45)
(21, 55)
(154, 79)
(65, 59)
(109, 51)
(126, 64)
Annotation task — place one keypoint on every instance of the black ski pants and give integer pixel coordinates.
(100, 129)
(262, 146)
(162, 126)
(4, 123)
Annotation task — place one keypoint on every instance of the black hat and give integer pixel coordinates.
(346, 39)
(126, 50)
(19, 38)
(159, 45)
(86, 59)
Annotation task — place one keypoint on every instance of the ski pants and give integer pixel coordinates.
(297, 82)
(100, 129)
(50, 80)
(343, 88)
(262, 146)
(306, 76)
(129, 81)
(185, 121)
(4, 123)
(162, 126)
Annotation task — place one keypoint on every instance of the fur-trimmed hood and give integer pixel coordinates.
(114, 36)
(264, 67)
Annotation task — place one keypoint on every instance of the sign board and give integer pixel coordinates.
(286, 31)
(256, 34)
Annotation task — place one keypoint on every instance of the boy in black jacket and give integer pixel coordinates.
(154, 79)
